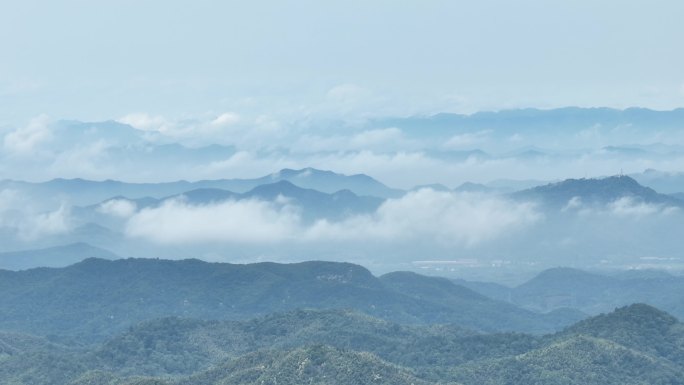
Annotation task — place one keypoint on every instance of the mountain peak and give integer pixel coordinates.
(594, 191)
(638, 318)
(288, 173)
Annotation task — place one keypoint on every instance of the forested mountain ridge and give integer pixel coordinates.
(341, 347)
(96, 298)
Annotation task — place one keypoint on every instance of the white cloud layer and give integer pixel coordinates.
(444, 217)
(121, 208)
(625, 207)
(425, 215)
(629, 207)
(246, 221)
(18, 216)
(25, 140)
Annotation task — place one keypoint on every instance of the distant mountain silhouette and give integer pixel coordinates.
(599, 191)
(82, 192)
(314, 204)
(432, 186)
(590, 292)
(58, 256)
(531, 120)
(475, 188)
(331, 182)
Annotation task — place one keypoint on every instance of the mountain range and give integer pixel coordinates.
(636, 344)
(575, 217)
(97, 297)
(589, 292)
(80, 192)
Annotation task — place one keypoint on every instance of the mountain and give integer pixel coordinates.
(330, 182)
(540, 122)
(316, 204)
(311, 365)
(589, 292)
(470, 187)
(183, 346)
(204, 196)
(81, 192)
(432, 186)
(579, 360)
(637, 344)
(562, 287)
(640, 327)
(123, 292)
(317, 364)
(594, 192)
(58, 256)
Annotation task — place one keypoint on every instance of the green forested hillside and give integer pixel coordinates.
(180, 346)
(575, 360)
(637, 344)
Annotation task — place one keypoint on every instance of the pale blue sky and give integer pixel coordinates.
(95, 60)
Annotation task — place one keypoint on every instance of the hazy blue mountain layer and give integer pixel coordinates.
(82, 192)
(59, 256)
(590, 292)
(594, 192)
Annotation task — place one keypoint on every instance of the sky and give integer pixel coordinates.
(297, 60)
(154, 91)
(317, 84)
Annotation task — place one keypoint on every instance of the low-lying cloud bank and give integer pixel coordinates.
(177, 222)
(626, 207)
(424, 215)
(18, 217)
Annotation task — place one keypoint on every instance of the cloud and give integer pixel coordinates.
(629, 207)
(26, 139)
(445, 217)
(28, 225)
(573, 203)
(228, 128)
(424, 215)
(621, 208)
(147, 122)
(389, 139)
(348, 93)
(8, 200)
(246, 221)
(48, 223)
(225, 119)
(122, 208)
(467, 140)
(18, 215)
